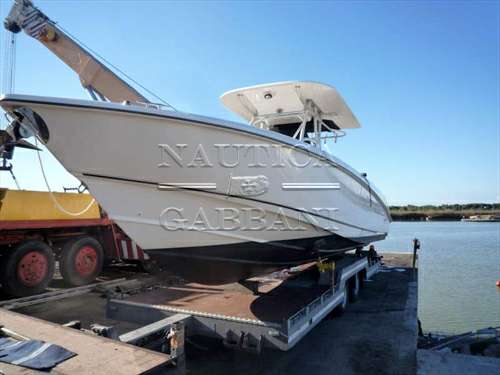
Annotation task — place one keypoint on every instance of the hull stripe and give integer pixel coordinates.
(236, 196)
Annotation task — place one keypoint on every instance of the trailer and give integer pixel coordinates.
(276, 312)
(377, 333)
(35, 234)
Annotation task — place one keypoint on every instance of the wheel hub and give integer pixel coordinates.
(86, 260)
(32, 268)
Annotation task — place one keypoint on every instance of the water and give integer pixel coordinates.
(459, 264)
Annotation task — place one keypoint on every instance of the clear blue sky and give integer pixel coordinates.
(422, 77)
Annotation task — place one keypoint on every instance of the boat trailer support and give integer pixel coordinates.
(167, 334)
(251, 285)
(60, 294)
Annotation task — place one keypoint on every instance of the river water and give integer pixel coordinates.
(459, 264)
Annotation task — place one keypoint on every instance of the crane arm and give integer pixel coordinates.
(94, 75)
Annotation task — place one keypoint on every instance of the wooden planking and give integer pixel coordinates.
(96, 355)
(8, 369)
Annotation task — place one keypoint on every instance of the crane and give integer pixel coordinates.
(96, 78)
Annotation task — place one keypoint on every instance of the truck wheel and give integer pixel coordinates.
(81, 260)
(28, 269)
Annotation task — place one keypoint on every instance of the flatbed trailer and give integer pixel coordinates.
(277, 315)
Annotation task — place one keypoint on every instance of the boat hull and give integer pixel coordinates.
(210, 198)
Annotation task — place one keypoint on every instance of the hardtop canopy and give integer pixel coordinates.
(278, 102)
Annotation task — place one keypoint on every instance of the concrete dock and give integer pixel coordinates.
(443, 363)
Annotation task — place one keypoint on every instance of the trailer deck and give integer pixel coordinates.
(278, 302)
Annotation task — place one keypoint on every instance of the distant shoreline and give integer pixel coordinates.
(443, 212)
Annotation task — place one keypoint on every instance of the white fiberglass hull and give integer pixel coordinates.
(191, 189)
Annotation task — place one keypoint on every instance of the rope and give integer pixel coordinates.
(12, 78)
(14, 178)
(9, 69)
(52, 196)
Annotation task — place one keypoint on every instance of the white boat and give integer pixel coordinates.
(214, 199)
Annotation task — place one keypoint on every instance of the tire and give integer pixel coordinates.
(149, 266)
(361, 279)
(81, 260)
(28, 269)
(340, 309)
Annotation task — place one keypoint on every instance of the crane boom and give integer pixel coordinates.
(94, 75)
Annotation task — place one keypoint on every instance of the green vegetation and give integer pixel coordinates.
(443, 212)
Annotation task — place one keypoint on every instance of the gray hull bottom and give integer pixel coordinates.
(236, 262)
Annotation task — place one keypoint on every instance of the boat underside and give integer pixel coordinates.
(235, 262)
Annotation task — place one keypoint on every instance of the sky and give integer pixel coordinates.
(422, 78)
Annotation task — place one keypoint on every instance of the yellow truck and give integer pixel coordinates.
(35, 234)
